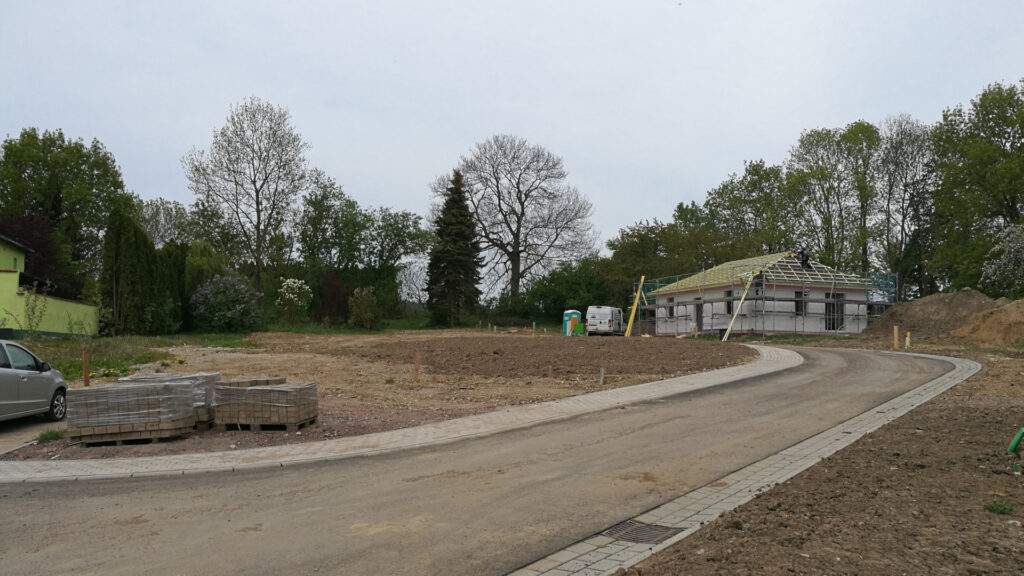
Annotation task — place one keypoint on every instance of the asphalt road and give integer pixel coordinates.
(476, 507)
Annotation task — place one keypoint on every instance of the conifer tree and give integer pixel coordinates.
(453, 270)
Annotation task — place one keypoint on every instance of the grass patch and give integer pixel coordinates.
(999, 507)
(50, 436)
(115, 356)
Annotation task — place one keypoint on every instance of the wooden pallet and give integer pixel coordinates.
(263, 426)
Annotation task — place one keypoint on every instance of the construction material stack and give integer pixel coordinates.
(142, 411)
(264, 404)
(202, 391)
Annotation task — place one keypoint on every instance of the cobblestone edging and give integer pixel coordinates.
(769, 360)
(603, 555)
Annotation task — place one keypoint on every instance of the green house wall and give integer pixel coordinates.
(11, 257)
(60, 316)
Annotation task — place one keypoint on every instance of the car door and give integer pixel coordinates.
(8, 385)
(33, 387)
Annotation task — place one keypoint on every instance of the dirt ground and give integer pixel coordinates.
(371, 383)
(910, 498)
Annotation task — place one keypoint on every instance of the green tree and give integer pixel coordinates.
(164, 221)
(252, 176)
(573, 285)
(74, 186)
(127, 286)
(903, 204)
(390, 237)
(453, 270)
(817, 173)
(979, 161)
(331, 227)
(763, 215)
(170, 293)
(859, 143)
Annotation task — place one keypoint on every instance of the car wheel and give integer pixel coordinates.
(58, 406)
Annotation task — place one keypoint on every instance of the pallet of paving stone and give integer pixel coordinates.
(120, 438)
(202, 392)
(132, 431)
(130, 411)
(261, 407)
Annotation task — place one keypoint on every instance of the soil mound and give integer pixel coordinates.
(931, 316)
(998, 327)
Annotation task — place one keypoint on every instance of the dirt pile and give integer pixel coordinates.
(1001, 326)
(931, 316)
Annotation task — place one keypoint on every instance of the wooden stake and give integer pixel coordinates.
(416, 368)
(85, 364)
(895, 337)
(908, 340)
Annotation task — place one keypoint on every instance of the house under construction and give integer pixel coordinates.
(783, 292)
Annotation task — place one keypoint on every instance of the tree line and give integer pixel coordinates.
(936, 206)
(263, 219)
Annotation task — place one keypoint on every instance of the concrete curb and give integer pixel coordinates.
(601, 555)
(770, 360)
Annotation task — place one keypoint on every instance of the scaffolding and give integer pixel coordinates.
(784, 293)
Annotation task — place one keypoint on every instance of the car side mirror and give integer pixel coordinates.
(44, 367)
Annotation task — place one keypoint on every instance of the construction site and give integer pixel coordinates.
(782, 292)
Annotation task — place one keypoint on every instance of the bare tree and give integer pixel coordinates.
(412, 280)
(164, 220)
(529, 218)
(254, 172)
(904, 184)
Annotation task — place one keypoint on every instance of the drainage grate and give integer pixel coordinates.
(633, 531)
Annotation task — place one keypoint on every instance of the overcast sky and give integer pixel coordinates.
(649, 103)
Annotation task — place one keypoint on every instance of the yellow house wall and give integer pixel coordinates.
(11, 258)
(58, 318)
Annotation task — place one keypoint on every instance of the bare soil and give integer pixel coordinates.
(1002, 326)
(372, 383)
(931, 316)
(909, 498)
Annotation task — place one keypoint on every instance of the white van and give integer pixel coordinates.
(604, 320)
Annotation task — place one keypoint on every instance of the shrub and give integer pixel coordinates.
(50, 435)
(226, 304)
(293, 300)
(999, 507)
(363, 310)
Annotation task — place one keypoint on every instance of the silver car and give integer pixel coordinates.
(28, 385)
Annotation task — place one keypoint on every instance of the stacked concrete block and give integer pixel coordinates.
(202, 392)
(147, 410)
(264, 404)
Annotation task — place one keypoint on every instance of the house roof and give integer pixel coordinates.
(781, 268)
(14, 243)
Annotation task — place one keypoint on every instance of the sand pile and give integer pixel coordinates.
(998, 327)
(931, 316)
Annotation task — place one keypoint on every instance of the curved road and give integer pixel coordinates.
(481, 506)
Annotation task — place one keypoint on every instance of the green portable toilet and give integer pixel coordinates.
(570, 319)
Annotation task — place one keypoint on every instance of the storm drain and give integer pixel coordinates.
(633, 531)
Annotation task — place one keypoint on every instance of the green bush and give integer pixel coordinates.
(363, 310)
(226, 304)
